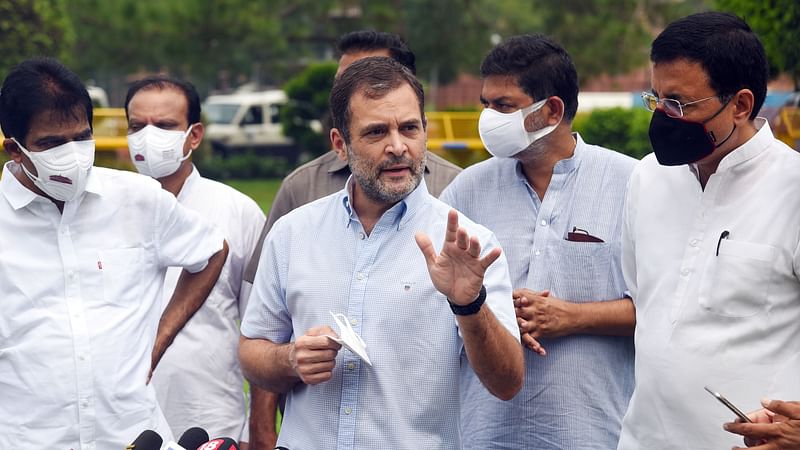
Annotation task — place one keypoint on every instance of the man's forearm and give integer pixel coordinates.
(190, 293)
(493, 353)
(263, 407)
(610, 318)
(267, 364)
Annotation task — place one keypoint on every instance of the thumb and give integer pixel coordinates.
(426, 246)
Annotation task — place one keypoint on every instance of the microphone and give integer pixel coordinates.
(147, 440)
(224, 443)
(191, 439)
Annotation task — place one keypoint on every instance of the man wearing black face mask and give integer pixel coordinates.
(711, 241)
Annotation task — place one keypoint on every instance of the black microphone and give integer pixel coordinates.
(190, 440)
(147, 440)
(224, 443)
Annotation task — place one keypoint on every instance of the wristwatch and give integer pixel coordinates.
(472, 308)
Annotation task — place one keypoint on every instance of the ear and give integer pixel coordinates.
(12, 149)
(338, 144)
(196, 136)
(743, 103)
(554, 108)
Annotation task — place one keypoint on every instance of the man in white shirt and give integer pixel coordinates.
(199, 382)
(81, 268)
(711, 242)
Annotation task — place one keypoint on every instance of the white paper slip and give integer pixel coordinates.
(348, 338)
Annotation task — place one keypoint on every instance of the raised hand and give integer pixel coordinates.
(457, 272)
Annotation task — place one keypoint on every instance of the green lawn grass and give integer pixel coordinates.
(262, 191)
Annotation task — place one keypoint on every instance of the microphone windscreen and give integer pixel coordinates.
(147, 440)
(192, 438)
(220, 444)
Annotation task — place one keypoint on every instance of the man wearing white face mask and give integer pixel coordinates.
(555, 203)
(164, 125)
(81, 268)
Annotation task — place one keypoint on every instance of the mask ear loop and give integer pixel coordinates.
(27, 153)
(710, 134)
(186, 135)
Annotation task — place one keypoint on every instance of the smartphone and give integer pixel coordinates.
(730, 405)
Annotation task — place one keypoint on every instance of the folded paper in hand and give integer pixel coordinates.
(348, 338)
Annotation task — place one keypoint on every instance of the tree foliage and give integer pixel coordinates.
(308, 102)
(33, 28)
(777, 23)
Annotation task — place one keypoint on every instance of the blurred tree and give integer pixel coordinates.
(33, 28)
(777, 23)
(308, 102)
(213, 43)
(609, 36)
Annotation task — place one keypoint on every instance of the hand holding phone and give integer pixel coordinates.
(730, 405)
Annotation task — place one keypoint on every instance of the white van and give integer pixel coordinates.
(248, 120)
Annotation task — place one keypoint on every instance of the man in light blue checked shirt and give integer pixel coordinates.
(421, 309)
(555, 203)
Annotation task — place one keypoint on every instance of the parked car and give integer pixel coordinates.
(248, 121)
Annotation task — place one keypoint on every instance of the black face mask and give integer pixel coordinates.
(677, 141)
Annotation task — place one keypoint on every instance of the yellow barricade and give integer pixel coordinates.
(787, 128)
(454, 135)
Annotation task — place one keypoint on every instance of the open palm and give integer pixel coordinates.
(457, 272)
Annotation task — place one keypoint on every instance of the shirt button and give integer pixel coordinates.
(360, 276)
(694, 242)
(82, 357)
(351, 366)
(348, 410)
(362, 236)
(353, 322)
(543, 223)
(537, 253)
(685, 272)
(85, 404)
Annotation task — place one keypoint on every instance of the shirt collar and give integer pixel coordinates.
(564, 165)
(194, 175)
(19, 196)
(399, 214)
(753, 147)
(573, 162)
(337, 165)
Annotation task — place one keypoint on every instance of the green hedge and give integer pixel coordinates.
(620, 129)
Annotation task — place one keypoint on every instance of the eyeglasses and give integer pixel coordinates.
(672, 107)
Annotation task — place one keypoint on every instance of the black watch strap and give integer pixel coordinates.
(472, 308)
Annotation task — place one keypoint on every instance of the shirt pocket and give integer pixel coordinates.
(122, 275)
(738, 280)
(583, 270)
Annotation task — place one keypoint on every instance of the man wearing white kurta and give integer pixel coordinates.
(81, 267)
(199, 382)
(711, 242)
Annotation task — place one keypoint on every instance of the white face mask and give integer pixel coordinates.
(504, 135)
(62, 171)
(157, 152)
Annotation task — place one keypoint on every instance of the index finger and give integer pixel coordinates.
(753, 430)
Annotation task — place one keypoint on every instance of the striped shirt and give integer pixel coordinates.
(318, 259)
(575, 397)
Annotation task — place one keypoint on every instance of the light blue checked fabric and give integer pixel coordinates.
(575, 397)
(318, 259)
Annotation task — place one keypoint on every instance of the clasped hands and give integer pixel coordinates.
(541, 315)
